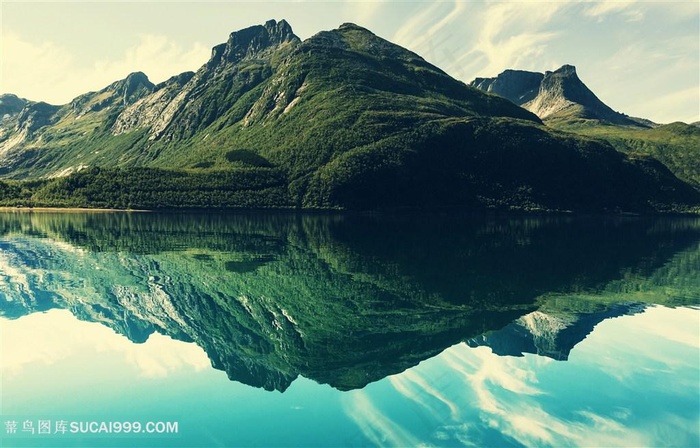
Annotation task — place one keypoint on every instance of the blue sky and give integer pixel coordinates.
(641, 58)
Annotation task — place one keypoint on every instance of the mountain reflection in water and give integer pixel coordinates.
(344, 300)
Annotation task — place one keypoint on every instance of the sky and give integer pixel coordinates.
(640, 57)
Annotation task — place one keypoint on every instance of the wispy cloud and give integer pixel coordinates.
(628, 9)
(374, 424)
(363, 11)
(407, 36)
(506, 394)
(510, 35)
(26, 67)
(423, 28)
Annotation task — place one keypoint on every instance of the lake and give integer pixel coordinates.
(264, 329)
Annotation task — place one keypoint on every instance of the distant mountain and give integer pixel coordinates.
(553, 95)
(342, 120)
(564, 102)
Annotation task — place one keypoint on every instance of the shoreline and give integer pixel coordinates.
(395, 211)
(70, 210)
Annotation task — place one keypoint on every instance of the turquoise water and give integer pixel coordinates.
(274, 330)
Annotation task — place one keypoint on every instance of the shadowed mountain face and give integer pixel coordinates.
(10, 105)
(519, 86)
(343, 300)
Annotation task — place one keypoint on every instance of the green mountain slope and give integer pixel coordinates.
(676, 145)
(564, 102)
(344, 119)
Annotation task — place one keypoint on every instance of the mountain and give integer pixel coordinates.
(564, 102)
(342, 120)
(10, 105)
(553, 95)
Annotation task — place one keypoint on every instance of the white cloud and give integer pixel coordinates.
(628, 9)
(504, 394)
(511, 35)
(650, 335)
(465, 38)
(668, 323)
(48, 72)
(55, 336)
(656, 79)
(407, 36)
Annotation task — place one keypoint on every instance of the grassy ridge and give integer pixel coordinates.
(475, 163)
(676, 145)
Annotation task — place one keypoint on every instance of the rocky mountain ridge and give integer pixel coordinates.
(553, 94)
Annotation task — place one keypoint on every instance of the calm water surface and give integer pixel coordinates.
(283, 330)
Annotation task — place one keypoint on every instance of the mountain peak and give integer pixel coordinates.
(565, 70)
(137, 77)
(552, 94)
(562, 93)
(252, 41)
(136, 85)
(352, 26)
(281, 30)
(11, 105)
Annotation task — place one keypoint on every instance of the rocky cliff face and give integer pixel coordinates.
(562, 93)
(10, 105)
(144, 112)
(117, 95)
(188, 103)
(519, 86)
(552, 95)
